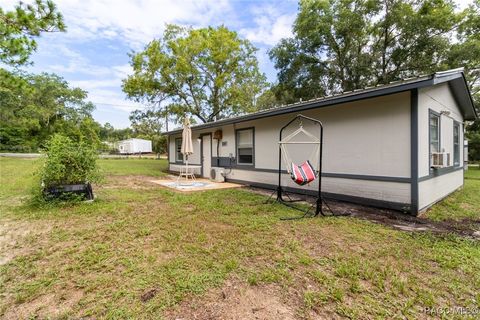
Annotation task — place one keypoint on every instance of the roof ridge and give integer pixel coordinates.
(336, 95)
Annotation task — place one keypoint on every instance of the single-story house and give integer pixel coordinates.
(134, 146)
(397, 146)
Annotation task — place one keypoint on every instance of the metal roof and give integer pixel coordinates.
(454, 77)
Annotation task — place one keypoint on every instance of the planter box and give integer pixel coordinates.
(84, 190)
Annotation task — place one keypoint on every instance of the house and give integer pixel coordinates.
(134, 146)
(396, 146)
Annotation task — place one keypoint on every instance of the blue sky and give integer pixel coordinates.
(92, 54)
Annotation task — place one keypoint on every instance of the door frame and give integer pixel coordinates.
(201, 151)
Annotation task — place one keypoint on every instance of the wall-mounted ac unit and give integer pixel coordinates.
(440, 159)
(216, 174)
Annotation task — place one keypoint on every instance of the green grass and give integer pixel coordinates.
(17, 176)
(99, 258)
(473, 173)
(463, 204)
(146, 167)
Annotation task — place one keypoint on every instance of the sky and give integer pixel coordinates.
(93, 53)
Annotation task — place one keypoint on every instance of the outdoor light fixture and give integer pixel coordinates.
(445, 112)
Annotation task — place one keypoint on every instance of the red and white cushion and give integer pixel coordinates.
(303, 174)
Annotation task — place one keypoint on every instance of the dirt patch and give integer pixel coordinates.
(45, 307)
(405, 222)
(12, 233)
(128, 182)
(396, 219)
(13, 201)
(148, 295)
(235, 300)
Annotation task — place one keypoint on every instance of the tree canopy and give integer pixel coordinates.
(343, 45)
(148, 125)
(20, 27)
(466, 50)
(209, 73)
(36, 106)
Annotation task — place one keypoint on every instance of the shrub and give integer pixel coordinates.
(68, 162)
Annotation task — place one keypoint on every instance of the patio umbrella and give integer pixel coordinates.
(187, 145)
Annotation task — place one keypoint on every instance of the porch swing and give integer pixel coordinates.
(305, 173)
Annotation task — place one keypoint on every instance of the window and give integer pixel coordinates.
(456, 144)
(178, 150)
(245, 149)
(434, 132)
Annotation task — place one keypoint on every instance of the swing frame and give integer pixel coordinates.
(280, 191)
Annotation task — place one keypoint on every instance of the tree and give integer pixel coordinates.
(267, 100)
(20, 27)
(146, 122)
(343, 45)
(466, 52)
(148, 125)
(209, 73)
(36, 106)
(106, 132)
(473, 136)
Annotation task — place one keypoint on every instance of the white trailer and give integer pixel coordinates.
(134, 146)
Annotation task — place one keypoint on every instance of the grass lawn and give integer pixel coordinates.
(463, 204)
(147, 167)
(141, 251)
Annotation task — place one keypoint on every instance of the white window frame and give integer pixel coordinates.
(178, 153)
(456, 145)
(237, 146)
(431, 114)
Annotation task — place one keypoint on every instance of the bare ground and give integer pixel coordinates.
(12, 233)
(48, 306)
(236, 300)
(395, 219)
(133, 182)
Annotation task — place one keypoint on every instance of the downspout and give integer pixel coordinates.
(218, 152)
(414, 194)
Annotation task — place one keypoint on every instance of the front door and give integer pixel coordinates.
(206, 155)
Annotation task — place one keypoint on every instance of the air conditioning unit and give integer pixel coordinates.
(216, 174)
(440, 159)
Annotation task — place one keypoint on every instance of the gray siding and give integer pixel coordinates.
(366, 148)
(436, 184)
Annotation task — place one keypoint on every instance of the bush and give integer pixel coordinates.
(68, 162)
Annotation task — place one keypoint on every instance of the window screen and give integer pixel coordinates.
(434, 133)
(456, 144)
(245, 146)
(178, 150)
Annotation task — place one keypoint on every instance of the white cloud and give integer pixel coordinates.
(270, 26)
(105, 91)
(73, 62)
(113, 100)
(136, 22)
(133, 23)
(462, 4)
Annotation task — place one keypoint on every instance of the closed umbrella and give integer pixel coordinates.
(186, 149)
(187, 145)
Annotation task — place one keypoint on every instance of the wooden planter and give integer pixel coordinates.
(57, 192)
